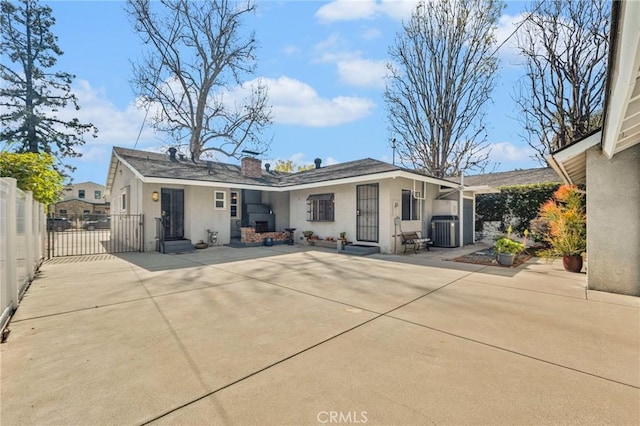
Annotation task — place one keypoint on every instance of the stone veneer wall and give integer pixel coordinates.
(249, 235)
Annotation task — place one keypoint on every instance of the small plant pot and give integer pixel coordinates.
(572, 263)
(506, 259)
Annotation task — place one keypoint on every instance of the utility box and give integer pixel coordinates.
(445, 231)
(445, 208)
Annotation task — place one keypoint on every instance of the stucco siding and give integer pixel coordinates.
(613, 224)
(201, 214)
(344, 213)
(389, 207)
(279, 203)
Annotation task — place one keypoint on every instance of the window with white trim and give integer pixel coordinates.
(410, 206)
(219, 200)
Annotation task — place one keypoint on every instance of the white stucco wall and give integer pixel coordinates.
(390, 205)
(279, 203)
(199, 211)
(200, 214)
(613, 221)
(345, 207)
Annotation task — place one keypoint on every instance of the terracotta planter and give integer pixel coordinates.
(572, 263)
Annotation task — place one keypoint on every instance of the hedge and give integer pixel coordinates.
(513, 205)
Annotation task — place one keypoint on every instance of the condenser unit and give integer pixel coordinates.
(445, 231)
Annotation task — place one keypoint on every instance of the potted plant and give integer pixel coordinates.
(507, 249)
(307, 234)
(343, 240)
(566, 227)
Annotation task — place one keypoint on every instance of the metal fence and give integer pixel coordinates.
(94, 234)
(22, 237)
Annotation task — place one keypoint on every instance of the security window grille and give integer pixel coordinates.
(220, 198)
(320, 208)
(410, 206)
(97, 194)
(81, 193)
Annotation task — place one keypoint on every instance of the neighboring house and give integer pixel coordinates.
(608, 162)
(370, 200)
(514, 178)
(82, 199)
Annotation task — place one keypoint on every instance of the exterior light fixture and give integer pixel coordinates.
(155, 196)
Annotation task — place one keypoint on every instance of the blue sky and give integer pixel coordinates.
(323, 61)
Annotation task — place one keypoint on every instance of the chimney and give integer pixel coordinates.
(318, 161)
(172, 154)
(251, 167)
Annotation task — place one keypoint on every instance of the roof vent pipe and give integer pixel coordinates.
(318, 162)
(172, 154)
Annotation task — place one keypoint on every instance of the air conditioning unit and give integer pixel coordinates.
(445, 231)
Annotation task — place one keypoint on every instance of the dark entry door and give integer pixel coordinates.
(467, 211)
(367, 213)
(173, 213)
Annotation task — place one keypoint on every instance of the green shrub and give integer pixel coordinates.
(508, 246)
(516, 205)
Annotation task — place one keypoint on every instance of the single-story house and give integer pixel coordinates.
(370, 200)
(608, 163)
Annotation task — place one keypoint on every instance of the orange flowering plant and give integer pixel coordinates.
(566, 220)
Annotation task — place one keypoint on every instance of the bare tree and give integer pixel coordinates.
(195, 64)
(440, 78)
(31, 94)
(564, 44)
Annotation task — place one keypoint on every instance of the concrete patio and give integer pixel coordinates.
(289, 335)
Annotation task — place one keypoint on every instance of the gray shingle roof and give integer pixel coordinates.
(152, 164)
(514, 177)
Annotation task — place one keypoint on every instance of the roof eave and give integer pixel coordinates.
(622, 109)
(570, 162)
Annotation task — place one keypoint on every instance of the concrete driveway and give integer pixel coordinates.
(287, 335)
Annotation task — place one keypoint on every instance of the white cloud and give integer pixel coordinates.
(297, 103)
(506, 26)
(508, 151)
(351, 67)
(371, 34)
(362, 72)
(115, 126)
(398, 9)
(350, 10)
(347, 10)
(330, 161)
(331, 49)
